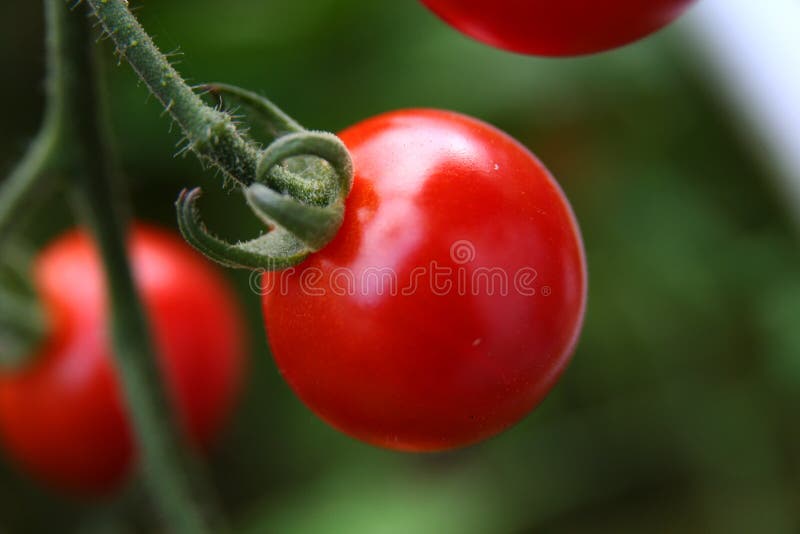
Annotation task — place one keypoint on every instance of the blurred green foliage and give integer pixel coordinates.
(679, 412)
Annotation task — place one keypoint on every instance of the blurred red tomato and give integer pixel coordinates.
(558, 27)
(63, 417)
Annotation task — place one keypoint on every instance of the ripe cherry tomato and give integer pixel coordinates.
(451, 299)
(558, 27)
(63, 418)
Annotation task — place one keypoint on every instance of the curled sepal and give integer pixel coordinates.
(315, 226)
(268, 115)
(323, 145)
(275, 250)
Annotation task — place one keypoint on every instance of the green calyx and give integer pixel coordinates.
(308, 173)
(22, 327)
(22, 320)
(301, 182)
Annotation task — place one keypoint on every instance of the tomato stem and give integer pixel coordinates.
(20, 188)
(22, 323)
(305, 168)
(91, 164)
(23, 185)
(210, 133)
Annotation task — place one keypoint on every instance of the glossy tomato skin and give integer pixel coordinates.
(63, 417)
(558, 27)
(392, 333)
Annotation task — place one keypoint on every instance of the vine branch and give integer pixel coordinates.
(211, 133)
(43, 154)
(90, 163)
(310, 173)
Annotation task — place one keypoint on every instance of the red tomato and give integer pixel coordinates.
(394, 333)
(558, 27)
(63, 417)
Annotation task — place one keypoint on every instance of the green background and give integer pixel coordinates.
(679, 411)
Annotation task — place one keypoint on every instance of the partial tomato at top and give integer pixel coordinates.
(451, 299)
(558, 27)
(63, 417)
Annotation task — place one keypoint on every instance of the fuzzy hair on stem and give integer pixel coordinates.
(210, 133)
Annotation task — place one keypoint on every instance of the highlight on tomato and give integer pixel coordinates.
(558, 27)
(63, 416)
(451, 299)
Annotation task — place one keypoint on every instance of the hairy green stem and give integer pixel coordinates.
(211, 133)
(297, 163)
(148, 405)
